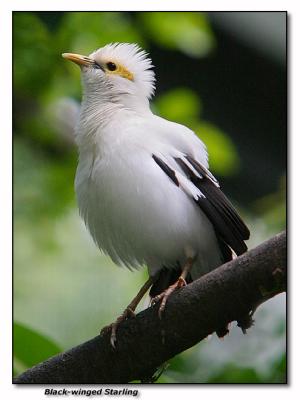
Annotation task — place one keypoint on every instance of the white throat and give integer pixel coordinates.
(103, 104)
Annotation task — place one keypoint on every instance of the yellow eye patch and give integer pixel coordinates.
(118, 69)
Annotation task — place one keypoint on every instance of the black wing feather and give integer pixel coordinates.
(222, 201)
(227, 223)
(166, 169)
(230, 229)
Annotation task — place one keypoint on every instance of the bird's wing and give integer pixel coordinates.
(171, 137)
(199, 184)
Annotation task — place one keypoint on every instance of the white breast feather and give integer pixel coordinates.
(133, 210)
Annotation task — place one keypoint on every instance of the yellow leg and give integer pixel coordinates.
(181, 281)
(128, 312)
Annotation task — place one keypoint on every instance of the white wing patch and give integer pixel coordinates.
(188, 187)
(199, 170)
(172, 169)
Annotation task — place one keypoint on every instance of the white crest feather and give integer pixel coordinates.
(134, 59)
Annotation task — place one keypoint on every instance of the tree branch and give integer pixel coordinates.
(226, 294)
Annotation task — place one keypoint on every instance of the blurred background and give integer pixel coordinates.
(223, 74)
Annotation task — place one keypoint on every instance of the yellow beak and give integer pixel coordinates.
(79, 59)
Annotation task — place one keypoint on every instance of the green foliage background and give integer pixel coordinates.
(64, 289)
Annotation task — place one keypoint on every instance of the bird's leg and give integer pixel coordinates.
(127, 313)
(181, 281)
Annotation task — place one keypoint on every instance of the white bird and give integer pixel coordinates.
(142, 183)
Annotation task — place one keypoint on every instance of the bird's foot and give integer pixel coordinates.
(163, 297)
(127, 313)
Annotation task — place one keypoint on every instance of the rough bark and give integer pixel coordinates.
(226, 294)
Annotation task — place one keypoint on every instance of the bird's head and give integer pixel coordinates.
(115, 71)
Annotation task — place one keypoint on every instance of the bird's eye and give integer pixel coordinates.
(111, 66)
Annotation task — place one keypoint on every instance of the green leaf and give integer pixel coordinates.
(181, 105)
(223, 157)
(33, 55)
(31, 347)
(272, 208)
(188, 32)
(43, 187)
(84, 32)
(278, 373)
(236, 374)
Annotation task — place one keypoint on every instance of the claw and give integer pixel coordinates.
(157, 298)
(181, 282)
(113, 336)
(128, 313)
(178, 284)
(166, 294)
